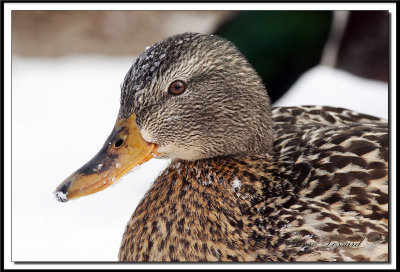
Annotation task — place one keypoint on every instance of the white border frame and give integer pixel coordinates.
(9, 7)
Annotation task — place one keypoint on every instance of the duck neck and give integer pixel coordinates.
(215, 209)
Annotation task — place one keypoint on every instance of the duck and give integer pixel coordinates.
(247, 182)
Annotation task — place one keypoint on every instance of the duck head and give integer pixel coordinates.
(190, 97)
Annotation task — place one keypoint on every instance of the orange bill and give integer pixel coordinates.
(123, 150)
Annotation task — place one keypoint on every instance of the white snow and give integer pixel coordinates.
(63, 109)
(61, 195)
(177, 165)
(134, 169)
(326, 86)
(236, 184)
(209, 180)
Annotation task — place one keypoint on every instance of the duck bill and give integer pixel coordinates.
(123, 150)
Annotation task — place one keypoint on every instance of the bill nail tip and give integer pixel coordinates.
(60, 196)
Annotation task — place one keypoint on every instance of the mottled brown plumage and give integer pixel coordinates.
(246, 183)
(326, 180)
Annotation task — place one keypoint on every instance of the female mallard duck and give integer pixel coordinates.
(246, 183)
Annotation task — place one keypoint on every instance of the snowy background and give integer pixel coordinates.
(64, 108)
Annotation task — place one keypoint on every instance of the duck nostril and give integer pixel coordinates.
(118, 143)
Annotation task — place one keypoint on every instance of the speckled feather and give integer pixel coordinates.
(223, 94)
(325, 180)
(247, 183)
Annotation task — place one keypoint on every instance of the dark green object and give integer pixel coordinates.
(281, 45)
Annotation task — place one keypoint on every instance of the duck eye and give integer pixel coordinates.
(176, 87)
(118, 143)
